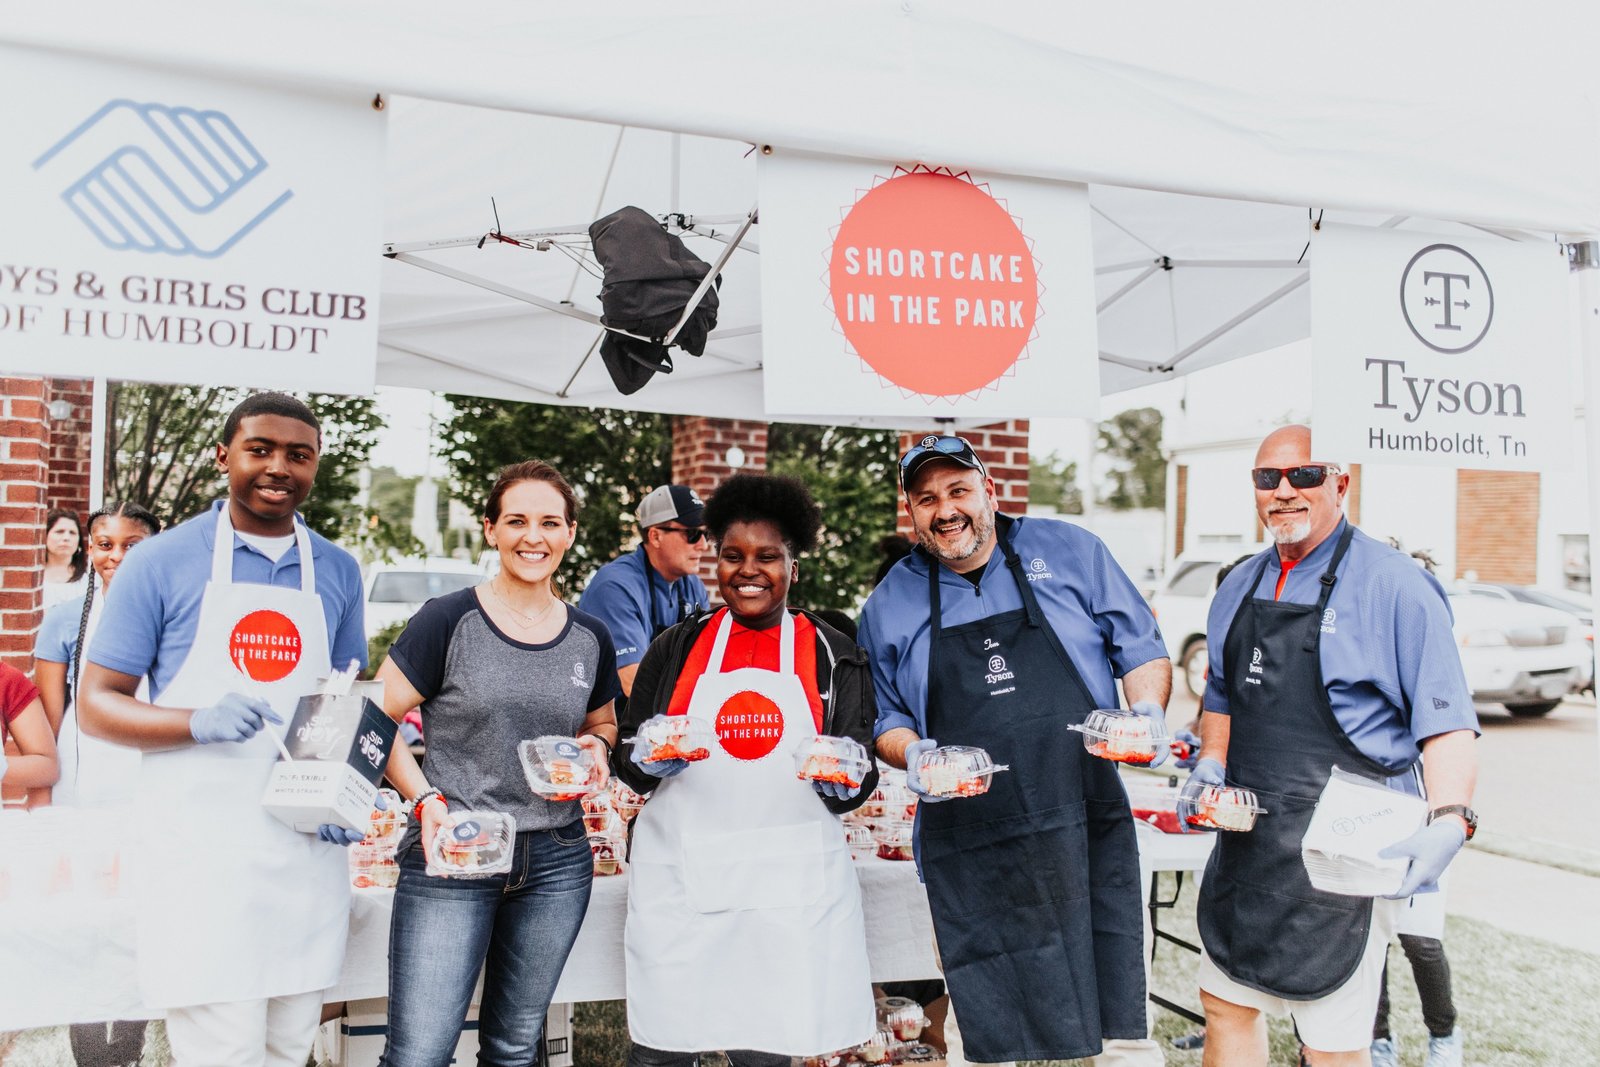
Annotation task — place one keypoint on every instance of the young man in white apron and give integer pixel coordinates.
(241, 922)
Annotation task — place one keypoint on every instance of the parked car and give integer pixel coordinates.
(1574, 604)
(394, 591)
(1180, 606)
(1524, 656)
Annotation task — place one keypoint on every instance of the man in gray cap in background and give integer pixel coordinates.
(657, 584)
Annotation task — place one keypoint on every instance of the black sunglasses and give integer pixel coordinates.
(1307, 477)
(691, 534)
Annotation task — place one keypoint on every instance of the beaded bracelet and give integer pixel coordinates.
(423, 798)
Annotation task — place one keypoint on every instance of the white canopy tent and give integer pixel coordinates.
(1208, 136)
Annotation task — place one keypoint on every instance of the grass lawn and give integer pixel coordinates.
(1522, 1003)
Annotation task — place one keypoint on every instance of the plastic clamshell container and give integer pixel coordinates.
(875, 806)
(1124, 736)
(956, 771)
(1154, 803)
(607, 851)
(858, 838)
(387, 824)
(832, 759)
(876, 1048)
(675, 737)
(1226, 807)
(899, 802)
(558, 768)
(472, 844)
(902, 1017)
(894, 837)
(625, 800)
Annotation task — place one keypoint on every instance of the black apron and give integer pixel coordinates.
(1262, 921)
(1034, 886)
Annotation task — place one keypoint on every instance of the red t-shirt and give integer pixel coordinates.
(751, 648)
(1287, 565)
(16, 693)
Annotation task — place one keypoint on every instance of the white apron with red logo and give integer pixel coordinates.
(231, 903)
(744, 917)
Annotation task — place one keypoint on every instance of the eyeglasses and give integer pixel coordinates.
(1307, 477)
(691, 534)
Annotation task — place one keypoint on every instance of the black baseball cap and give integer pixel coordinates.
(936, 447)
(667, 503)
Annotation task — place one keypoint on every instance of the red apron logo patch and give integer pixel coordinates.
(749, 725)
(933, 283)
(265, 646)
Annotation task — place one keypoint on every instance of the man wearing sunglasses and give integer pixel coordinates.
(658, 584)
(1000, 633)
(1330, 647)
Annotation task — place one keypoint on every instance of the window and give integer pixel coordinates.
(414, 587)
(1195, 579)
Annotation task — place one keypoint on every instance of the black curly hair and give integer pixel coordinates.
(785, 502)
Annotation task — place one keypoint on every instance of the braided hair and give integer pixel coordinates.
(117, 509)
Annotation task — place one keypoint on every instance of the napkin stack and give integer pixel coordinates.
(1355, 819)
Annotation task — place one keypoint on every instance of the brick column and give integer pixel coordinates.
(24, 441)
(699, 460)
(68, 483)
(1497, 525)
(1003, 447)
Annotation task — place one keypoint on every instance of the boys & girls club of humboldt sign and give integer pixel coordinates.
(1448, 351)
(924, 291)
(169, 228)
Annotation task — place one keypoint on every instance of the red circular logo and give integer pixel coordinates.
(933, 283)
(265, 646)
(749, 725)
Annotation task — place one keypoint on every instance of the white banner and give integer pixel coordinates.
(179, 229)
(918, 291)
(1452, 351)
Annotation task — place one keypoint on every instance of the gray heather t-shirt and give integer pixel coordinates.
(484, 692)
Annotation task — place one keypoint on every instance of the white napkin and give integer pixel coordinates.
(1354, 820)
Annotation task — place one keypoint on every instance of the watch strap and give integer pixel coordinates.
(1468, 816)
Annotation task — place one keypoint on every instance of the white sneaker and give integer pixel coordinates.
(1443, 1051)
(1385, 1053)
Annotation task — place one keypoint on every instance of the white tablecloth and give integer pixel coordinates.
(71, 958)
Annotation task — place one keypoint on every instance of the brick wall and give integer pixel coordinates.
(1352, 496)
(1497, 525)
(24, 441)
(1180, 518)
(699, 460)
(67, 485)
(1003, 447)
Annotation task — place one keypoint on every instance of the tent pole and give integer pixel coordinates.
(97, 446)
(1584, 257)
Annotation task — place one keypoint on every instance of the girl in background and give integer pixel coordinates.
(64, 563)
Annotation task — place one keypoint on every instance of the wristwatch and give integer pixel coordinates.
(1466, 813)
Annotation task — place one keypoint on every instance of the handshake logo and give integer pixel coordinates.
(155, 178)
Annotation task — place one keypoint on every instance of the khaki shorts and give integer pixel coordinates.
(1338, 1022)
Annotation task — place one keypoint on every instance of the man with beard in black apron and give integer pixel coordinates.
(1328, 648)
(1000, 633)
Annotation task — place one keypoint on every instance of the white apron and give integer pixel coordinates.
(231, 903)
(94, 773)
(744, 926)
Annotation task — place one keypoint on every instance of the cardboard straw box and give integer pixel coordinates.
(340, 745)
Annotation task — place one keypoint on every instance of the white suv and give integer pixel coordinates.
(394, 591)
(1180, 606)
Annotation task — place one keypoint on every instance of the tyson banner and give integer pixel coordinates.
(924, 291)
(171, 228)
(1449, 351)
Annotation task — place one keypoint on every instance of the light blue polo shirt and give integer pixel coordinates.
(1102, 621)
(58, 631)
(153, 607)
(1389, 658)
(628, 594)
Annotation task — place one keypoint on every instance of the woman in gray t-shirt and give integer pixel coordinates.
(489, 667)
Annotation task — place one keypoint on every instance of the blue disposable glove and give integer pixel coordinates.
(913, 750)
(1187, 763)
(1206, 772)
(338, 835)
(1151, 710)
(1431, 849)
(233, 718)
(661, 768)
(836, 790)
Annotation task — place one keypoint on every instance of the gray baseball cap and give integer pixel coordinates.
(667, 503)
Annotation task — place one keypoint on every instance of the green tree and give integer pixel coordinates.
(1138, 474)
(161, 452)
(612, 458)
(852, 475)
(1053, 482)
(389, 500)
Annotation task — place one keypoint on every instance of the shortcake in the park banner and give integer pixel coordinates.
(924, 290)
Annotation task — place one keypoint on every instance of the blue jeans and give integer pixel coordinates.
(517, 927)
